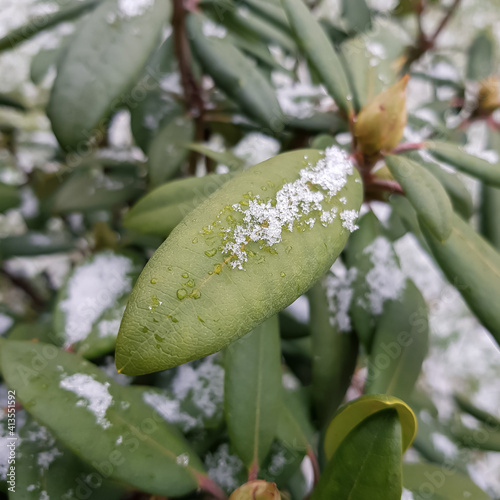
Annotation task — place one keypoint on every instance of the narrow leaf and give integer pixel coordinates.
(400, 345)
(34, 243)
(357, 14)
(334, 354)
(100, 66)
(208, 275)
(63, 392)
(472, 165)
(473, 267)
(226, 158)
(167, 151)
(481, 57)
(252, 392)
(163, 208)
(367, 463)
(489, 211)
(425, 193)
(236, 75)
(320, 52)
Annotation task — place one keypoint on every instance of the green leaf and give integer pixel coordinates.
(319, 51)
(42, 62)
(90, 305)
(90, 189)
(489, 212)
(34, 243)
(400, 345)
(43, 22)
(163, 208)
(64, 392)
(481, 57)
(483, 416)
(167, 151)
(440, 482)
(236, 75)
(9, 197)
(472, 165)
(357, 14)
(47, 469)
(212, 287)
(334, 354)
(425, 193)
(270, 11)
(460, 196)
(252, 390)
(100, 65)
(473, 267)
(367, 463)
(355, 412)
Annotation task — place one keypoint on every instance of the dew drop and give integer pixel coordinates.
(175, 320)
(217, 268)
(185, 275)
(195, 294)
(190, 283)
(145, 329)
(181, 293)
(195, 240)
(158, 338)
(288, 249)
(282, 275)
(155, 300)
(200, 320)
(261, 260)
(153, 281)
(211, 252)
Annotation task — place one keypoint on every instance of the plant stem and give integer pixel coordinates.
(206, 484)
(444, 21)
(26, 287)
(409, 146)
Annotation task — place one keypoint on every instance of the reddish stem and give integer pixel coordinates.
(314, 463)
(253, 471)
(409, 146)
(387, 185)
(206, 484)
(444, 21)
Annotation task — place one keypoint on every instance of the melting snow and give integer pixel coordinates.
(211, 29)
(407, 495)
(5, 323)
(264, 222)
(256, 147)
(95, 396)
(93, 288)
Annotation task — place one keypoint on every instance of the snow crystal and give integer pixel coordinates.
(183, 460)
(349, 218)
(93, 288)
(385, 280)
(264, 222)
(44, 495)
(337, 284)
(95, 396)
(223, 467)
(134, 8)
(212, 29)
(45, 458)
(278, 462)
(5, 323)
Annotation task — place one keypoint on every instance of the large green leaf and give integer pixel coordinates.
(425, 193)
(163, 208)
(367, 464)
(236, 75)
(91, 303)
(64, 392)
(47, 469)
(252, 389)
(334, 352)
(100, 65)
(481, 57)
(34, 243)
(319, 51)
(470, 164)
(473, 267)
(240, 257)
(399, 346)
(440, 483)
(43, 22)
(168, 149)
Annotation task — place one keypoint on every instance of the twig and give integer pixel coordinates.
(26, 287)
(444, 21)
(192, 91)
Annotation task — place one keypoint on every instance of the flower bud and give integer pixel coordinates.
(256, 490)
(489, 95)
(379, 125)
